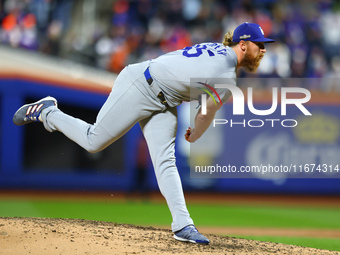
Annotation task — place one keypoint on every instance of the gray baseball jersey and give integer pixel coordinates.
(209, 62)
(134, 99)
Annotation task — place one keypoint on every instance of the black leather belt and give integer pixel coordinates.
(149, 80)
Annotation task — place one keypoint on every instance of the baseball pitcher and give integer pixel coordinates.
(148, 93)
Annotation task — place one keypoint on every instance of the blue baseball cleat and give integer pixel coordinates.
(191, 234)
(32, 112)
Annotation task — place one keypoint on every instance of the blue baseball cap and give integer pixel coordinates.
(250, 32)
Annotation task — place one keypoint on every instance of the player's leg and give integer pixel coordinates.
(160, 132)
(125, 106)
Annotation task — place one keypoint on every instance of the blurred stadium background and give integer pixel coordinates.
(73, 50)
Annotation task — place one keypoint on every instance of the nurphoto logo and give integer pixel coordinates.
(204, 97)
(239, 105)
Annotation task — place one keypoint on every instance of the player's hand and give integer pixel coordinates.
(188, 134)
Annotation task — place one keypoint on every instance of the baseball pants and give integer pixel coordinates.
(131, 101)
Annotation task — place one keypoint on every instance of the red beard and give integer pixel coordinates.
(250, 63)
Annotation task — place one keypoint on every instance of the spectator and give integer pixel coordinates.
(307, 34)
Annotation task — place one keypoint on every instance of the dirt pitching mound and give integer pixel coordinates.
(21, 236)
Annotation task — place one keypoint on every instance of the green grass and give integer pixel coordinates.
(158, 213)
(319, 243)
(120, 212)
(146, 214)
(266, 216)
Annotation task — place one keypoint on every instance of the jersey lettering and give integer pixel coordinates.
(199, 49)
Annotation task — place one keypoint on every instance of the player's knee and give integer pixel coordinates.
(167, 164)
(93, 147)
(93, 150)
